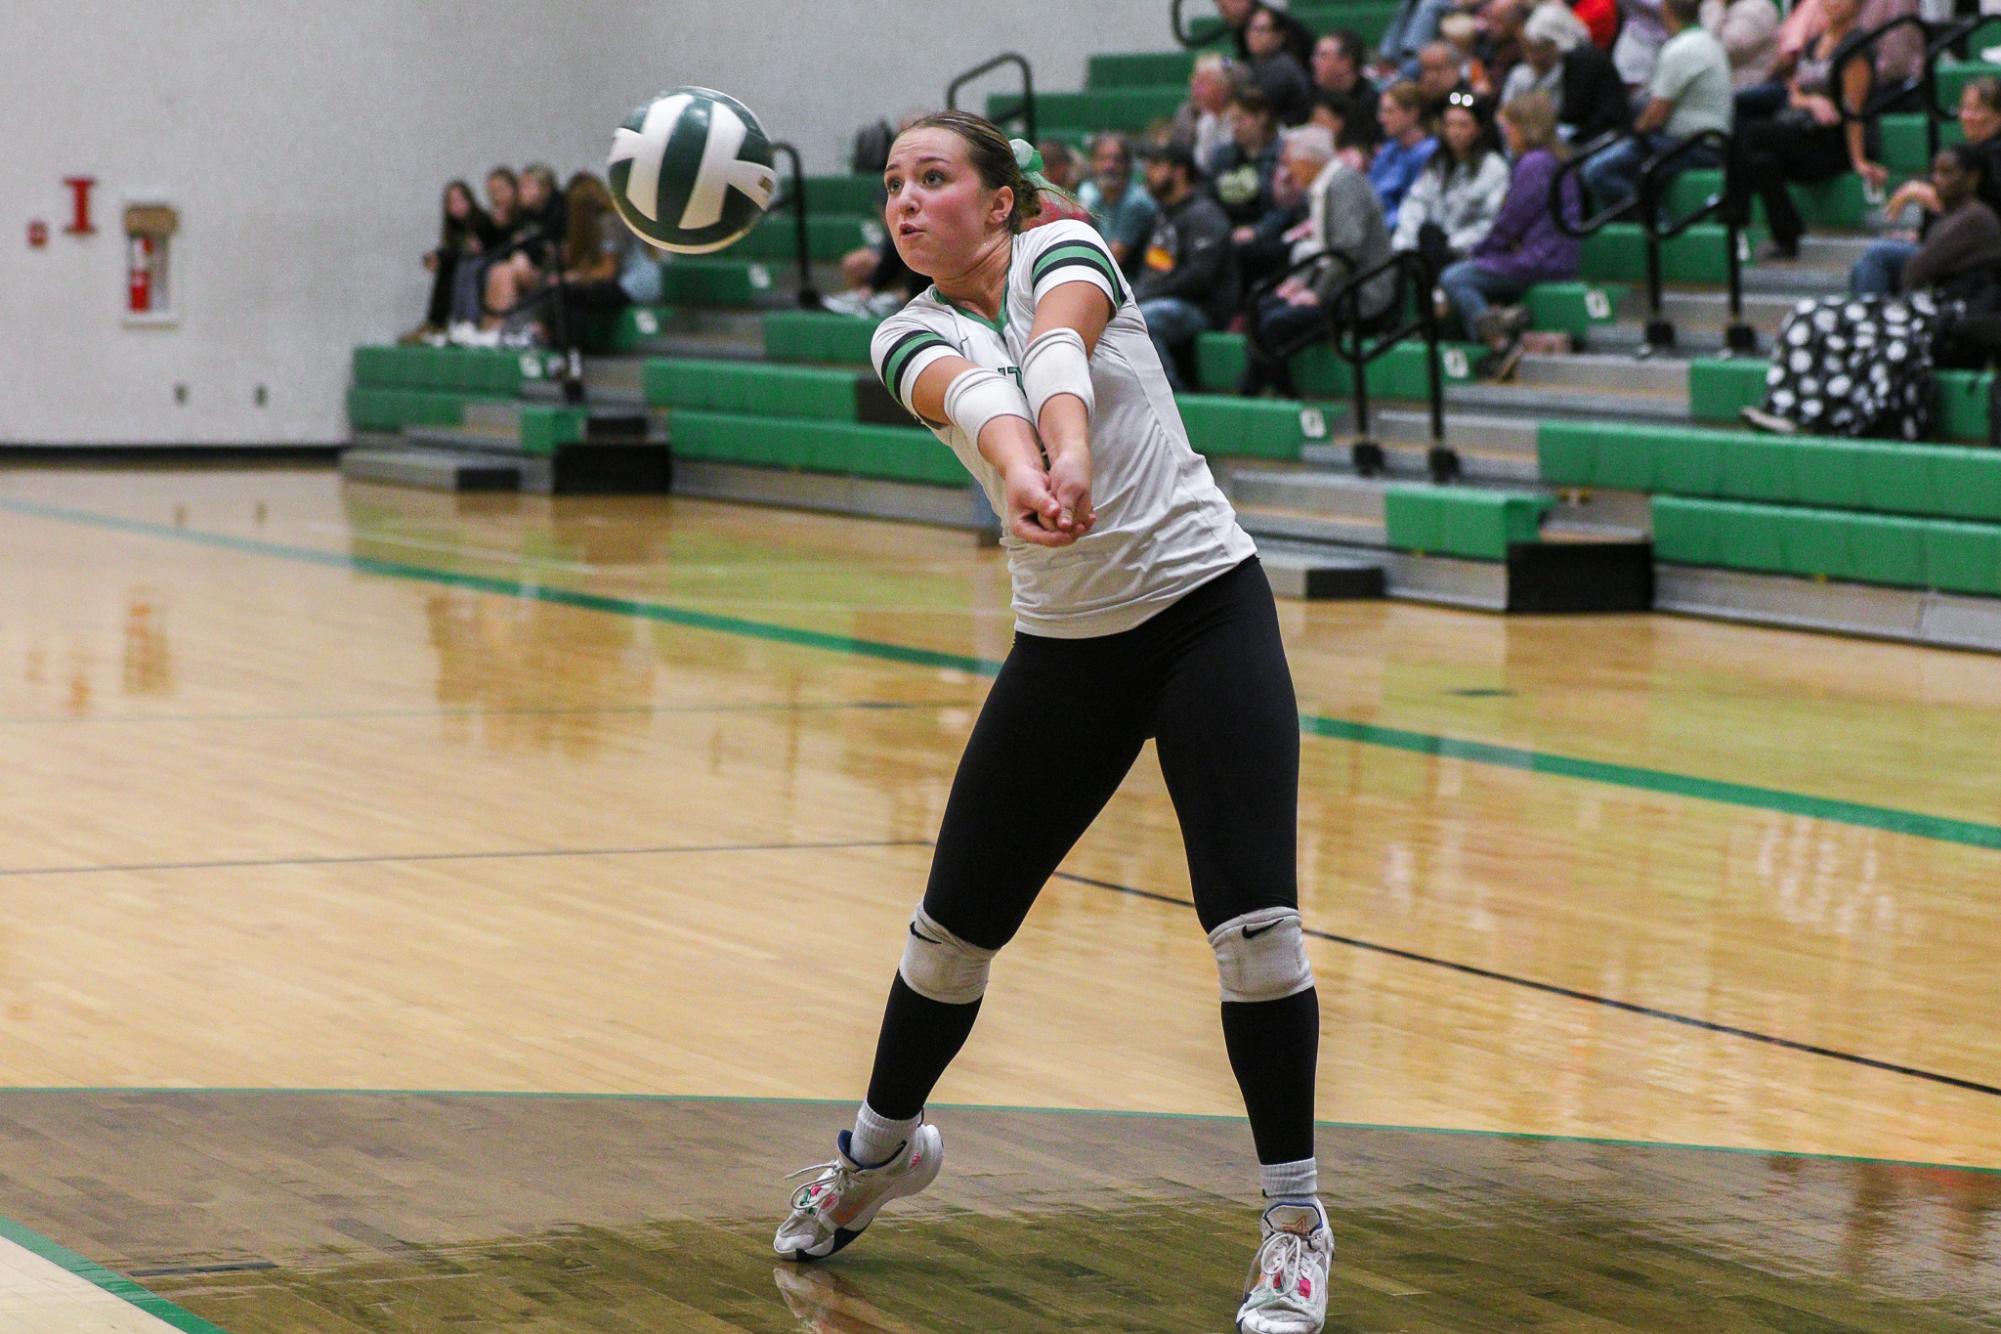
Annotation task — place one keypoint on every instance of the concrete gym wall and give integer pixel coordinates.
(305, 143)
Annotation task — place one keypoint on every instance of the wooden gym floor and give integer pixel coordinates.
(430, 913)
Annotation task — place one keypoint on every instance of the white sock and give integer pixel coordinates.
(1298, 1181)
(877, 1137)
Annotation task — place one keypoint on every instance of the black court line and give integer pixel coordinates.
(1552, 989)
(612, 710)
(465, 856)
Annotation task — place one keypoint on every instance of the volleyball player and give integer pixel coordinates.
(1141, 611)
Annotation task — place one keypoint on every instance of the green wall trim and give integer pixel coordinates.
(1917, 824)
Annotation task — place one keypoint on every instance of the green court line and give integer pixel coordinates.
(543, 1095)
(116, 1284)
(1917, 824)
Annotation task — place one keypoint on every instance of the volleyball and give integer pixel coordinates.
(691, 171)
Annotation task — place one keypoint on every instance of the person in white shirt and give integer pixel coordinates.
(1691, 93)
(1141, 612)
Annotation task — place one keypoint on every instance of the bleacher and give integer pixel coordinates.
(1570, 470)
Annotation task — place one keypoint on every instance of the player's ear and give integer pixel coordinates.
(1003, 205)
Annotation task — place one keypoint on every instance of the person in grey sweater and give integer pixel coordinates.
(1343, 234)
(1187, 279)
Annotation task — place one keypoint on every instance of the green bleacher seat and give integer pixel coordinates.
(1230, 427)
(828, 236)
(1139, 69)
(1461, 521)
(808, 335)
(1618, 254)
(1893, 550)
(847, 193)
(1836, 203)
(713, 282)
(750, 387)
(546, 429)
(890, 453)
(1573, 308)
(1129, 109)
(1718, 387)
(1220, 360)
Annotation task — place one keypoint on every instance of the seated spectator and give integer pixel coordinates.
(529, 249)
(1749, 31)
(1340, 85)
(1277, 74)
(1462, 32)
(1060, 165)
(469, 281)
(1642, 33)
(1558, 58)
(1601, 22)
(601, 269)
(1343, 224)
(1441, 72)
(1242, 182)
(1963, 246)
(1524, 246)
(1202, 125)
(1459, 194)
(1331, 114)
(1237, 16)
(1188, 279)
(1411, 26)
(464, 233)
(1860, 367)
(1879, 271)
(1406, 147)
(1502, 47)
(1690, 94)
(1120, 208)
(1807, 141)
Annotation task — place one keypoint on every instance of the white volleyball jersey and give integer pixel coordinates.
(1164, 527)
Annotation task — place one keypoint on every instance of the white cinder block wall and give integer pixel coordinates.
(305, 143)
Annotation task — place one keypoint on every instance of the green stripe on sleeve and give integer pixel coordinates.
(900, 355)
(1073, 252)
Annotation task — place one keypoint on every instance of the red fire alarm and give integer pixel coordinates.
(38, 234)
(79, 223)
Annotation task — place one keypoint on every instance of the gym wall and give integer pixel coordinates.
(304, 145)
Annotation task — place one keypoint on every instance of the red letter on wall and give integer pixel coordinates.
(79, 223)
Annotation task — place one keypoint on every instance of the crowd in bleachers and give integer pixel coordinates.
(527, 267)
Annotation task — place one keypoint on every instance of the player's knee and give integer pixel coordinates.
(1261, 956)
(939, 966)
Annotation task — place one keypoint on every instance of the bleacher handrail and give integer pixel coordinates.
(1183, 33)
(1939, 39)
(1027, 108)
(795, 199)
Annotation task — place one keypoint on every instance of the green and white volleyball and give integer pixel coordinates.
(691, 171)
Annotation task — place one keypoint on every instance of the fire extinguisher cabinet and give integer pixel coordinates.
(149, 292)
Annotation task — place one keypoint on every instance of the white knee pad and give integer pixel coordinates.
(1261, 956)
(939, 966)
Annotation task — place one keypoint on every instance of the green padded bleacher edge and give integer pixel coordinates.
(811, 335)
(468, 369)
(1718, 387)
(545, 429)
(1220, 360)
(713, 282)
(890, 453)
(1618, 254)
(1573, 308)
(750, 387)
(1936, 481)
(1893, 550)
(1461, 521)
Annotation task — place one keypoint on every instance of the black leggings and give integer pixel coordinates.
(1207, 679)
(1770, 153)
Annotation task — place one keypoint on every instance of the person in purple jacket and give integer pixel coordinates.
(1524, 247)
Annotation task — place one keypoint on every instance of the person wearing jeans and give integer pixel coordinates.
(1690, 94)
(1187, 281)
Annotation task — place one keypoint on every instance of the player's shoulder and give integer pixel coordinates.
(1033, 244)
(924, 313)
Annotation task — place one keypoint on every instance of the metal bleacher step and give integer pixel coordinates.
(465, 439)
(430, 469)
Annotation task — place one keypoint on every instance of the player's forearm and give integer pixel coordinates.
(1065, 426)
(1009, 443)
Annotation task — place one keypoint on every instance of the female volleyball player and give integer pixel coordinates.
(1141, 611)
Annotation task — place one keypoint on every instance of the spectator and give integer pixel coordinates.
(1275, 71)
(1524, 246)
(1642, 33)
(1503, 19)
(1807, 141)
(1060, 166)
(469, 280)
(1343, 225)
(1188, 281)
(1202, 125)
(1340, 85)
(1242, 182)
(1411, 26)
(1462, 32)
(1879, 271)
(603, 269)
(529, 248)
(1899, 56)
(1237, 16)
(465, 231)
(1690, 94)
(1440, 73)
(1330, 113)
(1120, 209)
(1749, 31)
(1601, 22)
(1560, 59)
(1963, 246)
(1405, 149)
(1459, 194)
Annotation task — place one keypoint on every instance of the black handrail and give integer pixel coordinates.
(1940, 39)
(809, 296)
(1346, 336)
(1186, 35)
(1656, 174)
(1026, 111)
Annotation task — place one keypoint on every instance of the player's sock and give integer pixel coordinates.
(1292, 1182)
(919, 1039)
(876, 1137)
(1274, 1049)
